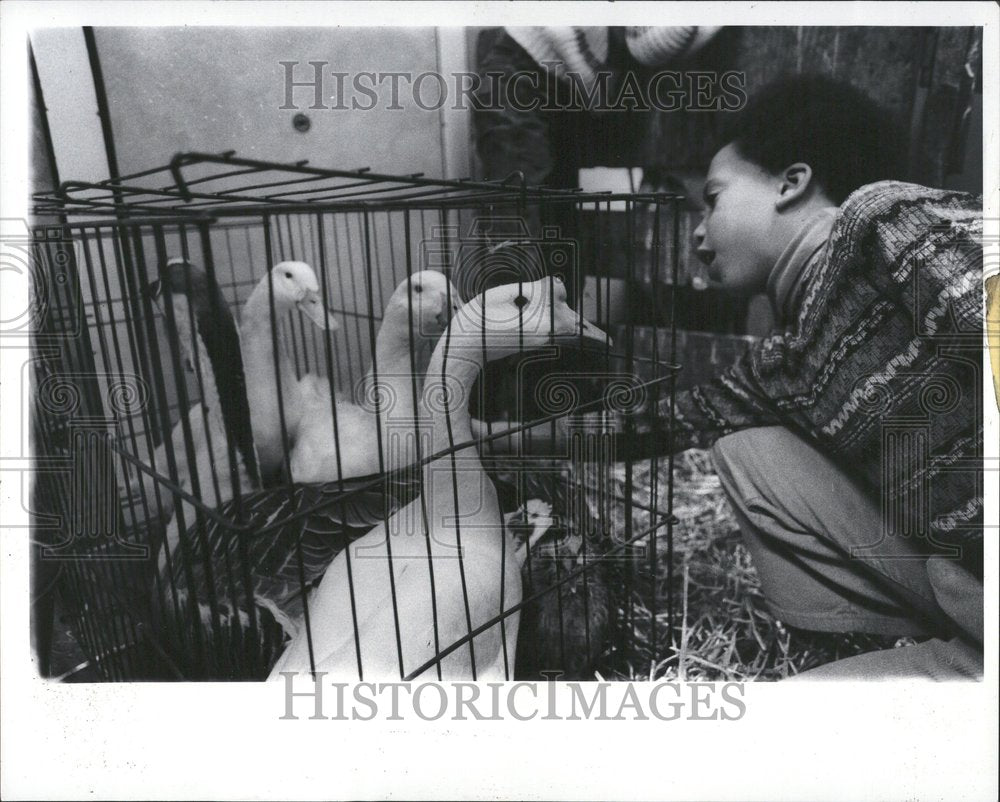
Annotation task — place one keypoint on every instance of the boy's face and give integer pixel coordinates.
(735, 236)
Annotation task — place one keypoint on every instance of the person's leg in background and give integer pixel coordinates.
(801, 516)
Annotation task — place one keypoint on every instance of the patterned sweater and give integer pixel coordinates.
(878, 362)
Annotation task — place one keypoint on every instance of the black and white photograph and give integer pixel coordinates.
(431, 400)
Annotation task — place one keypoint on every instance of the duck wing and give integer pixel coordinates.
(242, 582)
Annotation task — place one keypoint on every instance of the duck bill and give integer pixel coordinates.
(569, 328)
(312, 307)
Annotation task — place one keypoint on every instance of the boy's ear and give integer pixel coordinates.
(796, 179)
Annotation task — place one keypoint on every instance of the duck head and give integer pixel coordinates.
(433, 300)
(180, 277)
(193, 296)
(295, 286)
(519, 317)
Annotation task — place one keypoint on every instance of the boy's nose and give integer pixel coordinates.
(698, 236)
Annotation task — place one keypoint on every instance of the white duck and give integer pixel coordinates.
(288, 286)
(396, 598)
(373, 432)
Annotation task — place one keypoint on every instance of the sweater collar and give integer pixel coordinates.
(785, 279)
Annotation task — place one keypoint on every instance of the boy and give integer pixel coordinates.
(838, 504)
(849, 442)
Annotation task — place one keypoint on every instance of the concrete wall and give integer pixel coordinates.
(215, 89)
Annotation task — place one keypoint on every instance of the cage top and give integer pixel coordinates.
(225, 184)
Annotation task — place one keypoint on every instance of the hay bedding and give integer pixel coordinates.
(722, 627)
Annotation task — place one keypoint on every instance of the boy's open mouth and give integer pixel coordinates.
(707, 258)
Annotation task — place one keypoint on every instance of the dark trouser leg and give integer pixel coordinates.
(801, 516)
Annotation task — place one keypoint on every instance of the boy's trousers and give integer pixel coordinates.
(816, 540)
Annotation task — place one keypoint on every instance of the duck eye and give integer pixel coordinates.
(287, 274)
(520, 302)
(418, 288)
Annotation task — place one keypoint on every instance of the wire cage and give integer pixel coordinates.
(178, 542)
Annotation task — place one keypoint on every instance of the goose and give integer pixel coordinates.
(392, 600)
(289, 285)
(375, 425)
(209, 344)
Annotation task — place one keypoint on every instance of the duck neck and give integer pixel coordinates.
(273, 416)
(451, 374)
(257, 333)
(394, 367)
(463, 501)
(226, 376)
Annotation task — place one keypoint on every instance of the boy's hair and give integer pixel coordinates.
(842, 134)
